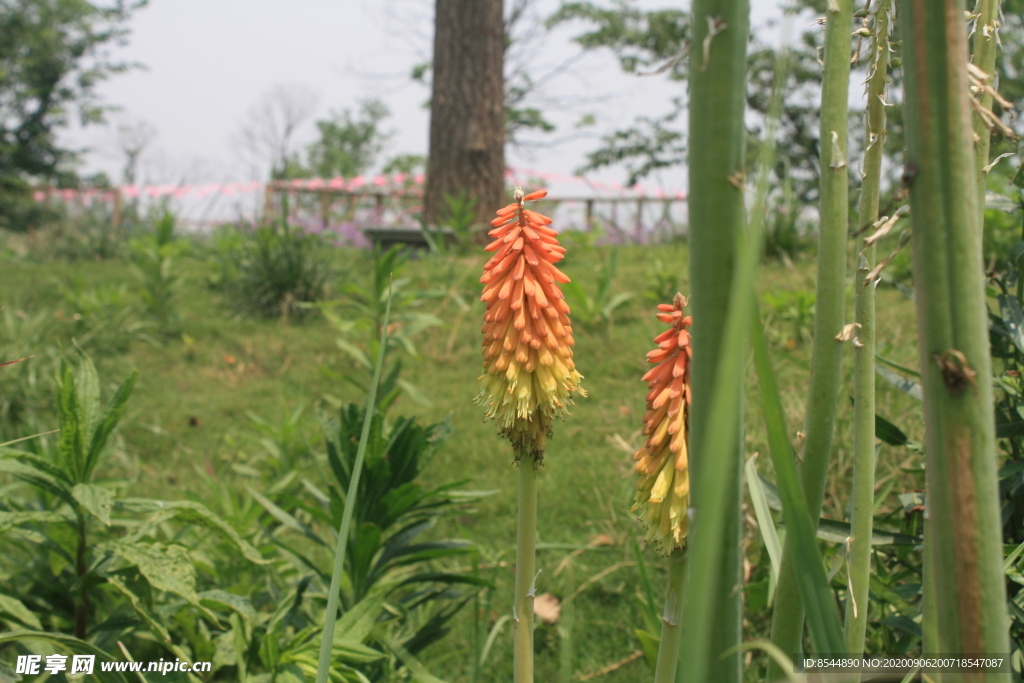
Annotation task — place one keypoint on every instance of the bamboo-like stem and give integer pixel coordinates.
(526, 562)
(717, 79)
(788, 616)
(985, 46)
(671, 620)
(863, 490)
(962, 501)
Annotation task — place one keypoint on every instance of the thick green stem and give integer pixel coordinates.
(788, 617)
(985, 46)
(717, 78)
(526, 562)
(671, 620)
(962, 487)
(863, 491)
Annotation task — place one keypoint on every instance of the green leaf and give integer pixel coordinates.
(1013, 318)
(10, 520)
(97, 500)
(764, 517)
(37, 478)
(889, 433)
(167, 568)
(823, 623)
(324, 660)
(70, 446)
(191, 512)
(236, 603)
(16, 609)
(837, 532)
(1012, 557)
(112, 415)
(286, 518)
(649, 644)
(155, 627)
(87, 385)
(357, 623)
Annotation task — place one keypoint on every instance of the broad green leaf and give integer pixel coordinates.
(236, 603)
(357, 623)
(889, 433)
(16, 609)
(191, 512)
(10, 520)
(37, 478)
(166, 568)
(1013, 318)
(97, 500)
(155, 627)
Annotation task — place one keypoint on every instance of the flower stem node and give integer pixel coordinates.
(529, 375)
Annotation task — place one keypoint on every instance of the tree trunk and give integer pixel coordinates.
(467, 111)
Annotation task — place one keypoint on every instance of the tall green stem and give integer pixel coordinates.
(788, 617)
(671, 626)
(526, 562)
(717, 133)
(962, 488)
(863, 492)
(323, 668)
(985, 45)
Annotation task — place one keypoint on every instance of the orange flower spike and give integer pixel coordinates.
(663, 492)
(529, 377)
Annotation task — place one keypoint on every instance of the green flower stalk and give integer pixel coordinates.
(663, 492)
(717, 102)
(863, 492)
(788, 617)
(964, 540)
(529, 374)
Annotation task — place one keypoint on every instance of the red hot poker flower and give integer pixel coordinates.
(529, 374)
(663, 493)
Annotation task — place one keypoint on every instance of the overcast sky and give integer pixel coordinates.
(207, 62)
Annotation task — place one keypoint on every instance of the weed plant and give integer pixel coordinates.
(281, 269)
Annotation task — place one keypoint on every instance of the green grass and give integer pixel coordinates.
(188, 415)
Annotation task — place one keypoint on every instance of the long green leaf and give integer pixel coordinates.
(822, 620)
(764, 517)
(324, 663)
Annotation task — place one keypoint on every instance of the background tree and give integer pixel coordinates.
(348, 145)
(133, 139)
(467, 113)
(53, 54)
(268, 133)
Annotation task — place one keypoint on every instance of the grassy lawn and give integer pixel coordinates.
(188, 426)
